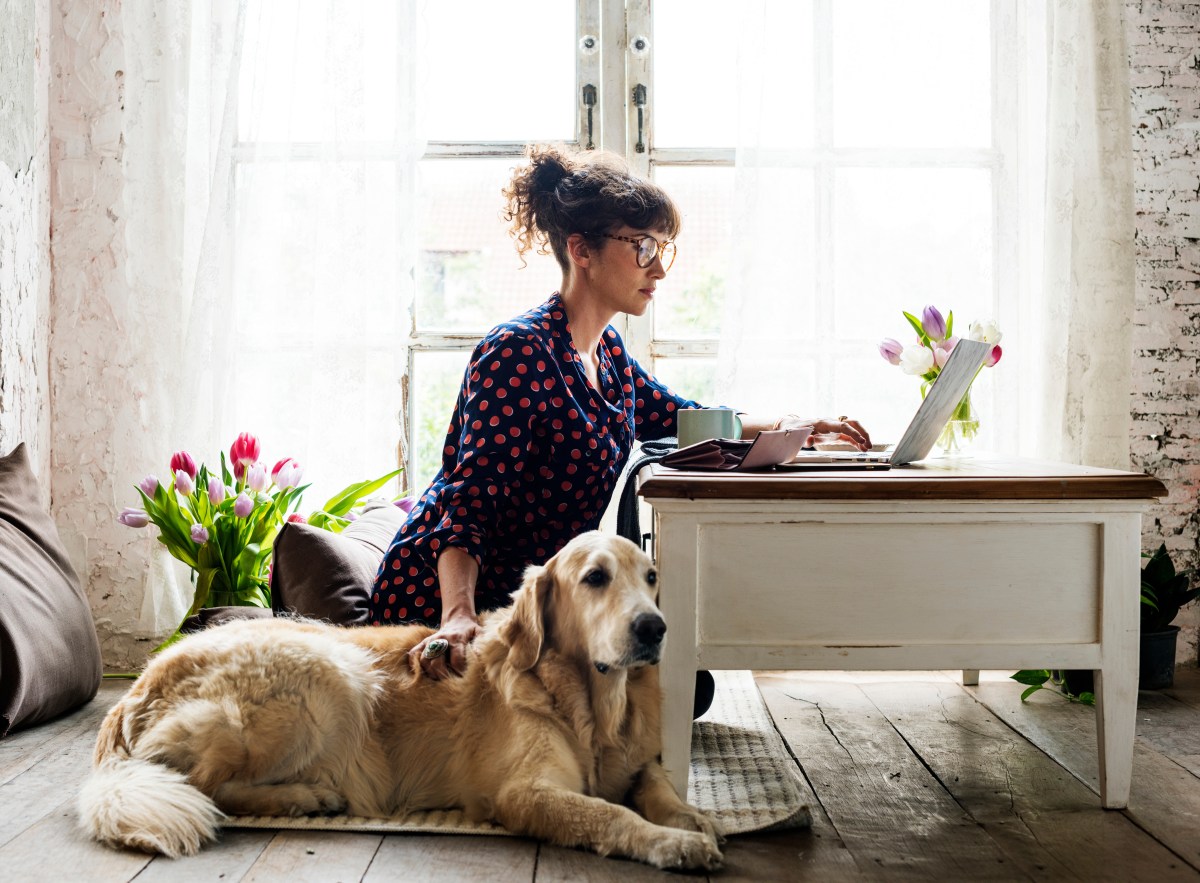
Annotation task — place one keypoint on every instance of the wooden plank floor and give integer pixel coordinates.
(913, 777)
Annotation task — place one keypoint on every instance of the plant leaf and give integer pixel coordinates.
(1036, 676)
(1159, 570)
(343, 501)
(917, 327)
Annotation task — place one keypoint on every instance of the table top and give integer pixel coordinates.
(954, 478)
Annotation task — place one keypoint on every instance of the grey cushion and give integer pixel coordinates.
(328, 575)
(49, 653)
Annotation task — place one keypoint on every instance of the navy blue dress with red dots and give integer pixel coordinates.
(531, 459)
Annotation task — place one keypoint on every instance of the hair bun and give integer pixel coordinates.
(549, 167)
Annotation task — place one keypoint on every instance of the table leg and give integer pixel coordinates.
(1117, 678)
(678, 578)
(970, 677)
(679, 684)
(1116, 719)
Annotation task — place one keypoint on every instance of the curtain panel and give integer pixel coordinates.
(268, 173)
(834, 237)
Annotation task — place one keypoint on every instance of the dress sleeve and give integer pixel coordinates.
(500, 404)
(655, 405)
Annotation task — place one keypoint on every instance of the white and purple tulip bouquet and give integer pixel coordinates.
(222, 525)
(925, 359)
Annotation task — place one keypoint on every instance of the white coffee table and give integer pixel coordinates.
(957, 563)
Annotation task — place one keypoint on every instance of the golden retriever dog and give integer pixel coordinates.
(553, 731)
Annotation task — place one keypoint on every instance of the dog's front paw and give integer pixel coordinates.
(692, 819)
(685, 849)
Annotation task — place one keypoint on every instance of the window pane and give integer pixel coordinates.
(695, 82)
(781, 377)
(323, 71)
(310, 238)
(695, 100)
(319, 71)
(299, 402)
(912, 74)
(774, 251)
(693, 378)
(313, 335)
(469, 275)
(690, 299)
(497, 70)
(904, 238)
(437, 377)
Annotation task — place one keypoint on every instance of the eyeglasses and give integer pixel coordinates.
(649, 248)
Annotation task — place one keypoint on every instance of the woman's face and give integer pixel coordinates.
(619, 283)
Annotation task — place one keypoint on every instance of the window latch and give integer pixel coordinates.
(589, 101)
(639, 100)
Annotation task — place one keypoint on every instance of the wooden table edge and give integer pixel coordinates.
(1073, 483)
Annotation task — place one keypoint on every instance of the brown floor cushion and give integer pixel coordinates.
(49, 653)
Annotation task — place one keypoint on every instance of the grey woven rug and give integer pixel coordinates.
(740, 771)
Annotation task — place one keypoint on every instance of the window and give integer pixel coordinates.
(888, 129)
(893, 186)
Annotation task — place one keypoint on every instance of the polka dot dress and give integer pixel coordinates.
(531, 459)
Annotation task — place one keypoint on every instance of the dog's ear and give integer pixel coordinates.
(525, 629)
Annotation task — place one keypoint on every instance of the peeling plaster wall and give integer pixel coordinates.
(1164, 48)
(25, 231)
(109, 334)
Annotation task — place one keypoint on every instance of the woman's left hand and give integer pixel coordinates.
(843, 429)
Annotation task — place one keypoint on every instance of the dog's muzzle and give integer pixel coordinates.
(648, 630)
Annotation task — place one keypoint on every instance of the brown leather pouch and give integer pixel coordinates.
(767, 449)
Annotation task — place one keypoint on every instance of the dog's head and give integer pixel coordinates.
(596, 598)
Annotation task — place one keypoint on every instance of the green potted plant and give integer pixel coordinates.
(1164, 592)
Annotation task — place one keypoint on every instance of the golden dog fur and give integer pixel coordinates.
(554, 730)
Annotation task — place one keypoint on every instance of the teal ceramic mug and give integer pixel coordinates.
(701, 424)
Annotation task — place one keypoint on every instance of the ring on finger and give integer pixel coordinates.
(435, 648)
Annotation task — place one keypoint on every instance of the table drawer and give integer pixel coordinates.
(879, 584)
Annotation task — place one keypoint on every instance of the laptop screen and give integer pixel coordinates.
(939, 403)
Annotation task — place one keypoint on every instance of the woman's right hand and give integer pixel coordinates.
(457, 632)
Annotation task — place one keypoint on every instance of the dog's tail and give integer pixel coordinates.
(141, 804)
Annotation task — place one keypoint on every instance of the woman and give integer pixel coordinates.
(549, 407)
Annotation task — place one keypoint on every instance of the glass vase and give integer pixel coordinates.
(961, 429)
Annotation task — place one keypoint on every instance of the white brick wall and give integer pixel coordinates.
(1164, 50)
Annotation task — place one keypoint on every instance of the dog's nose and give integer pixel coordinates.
(649, 629)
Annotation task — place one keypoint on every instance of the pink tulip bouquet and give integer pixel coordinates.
(222, 525)
(926, 357)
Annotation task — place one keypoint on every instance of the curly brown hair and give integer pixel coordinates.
(561, 191)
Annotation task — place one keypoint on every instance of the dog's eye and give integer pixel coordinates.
(652, 577)
(596, 577)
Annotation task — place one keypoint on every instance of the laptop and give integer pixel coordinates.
(927, 424)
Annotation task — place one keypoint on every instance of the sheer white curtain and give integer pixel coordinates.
(271, 160)
(863, 190)
(323, 234)
(1085, 325)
